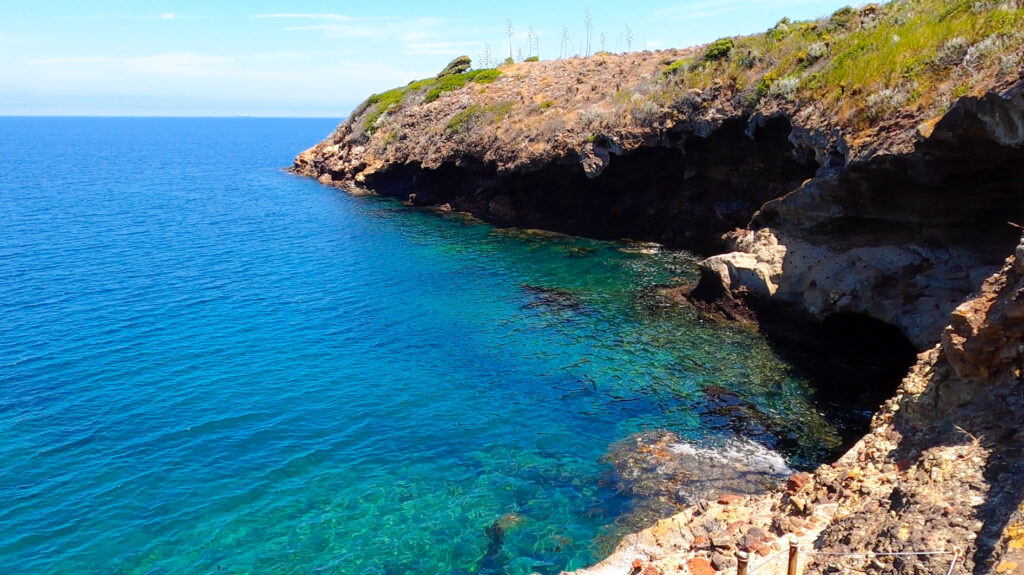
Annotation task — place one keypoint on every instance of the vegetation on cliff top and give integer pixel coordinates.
(868, 60)
(856, 67)
(453, 77)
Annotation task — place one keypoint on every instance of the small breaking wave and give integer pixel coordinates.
(737, 452)
(662, 472)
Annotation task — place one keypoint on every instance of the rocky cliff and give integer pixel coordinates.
(940, 471)
(867, 165)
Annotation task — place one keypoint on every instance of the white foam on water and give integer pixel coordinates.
(739, 453)
(645, 248)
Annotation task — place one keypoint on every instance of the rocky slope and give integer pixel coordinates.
(940, 470)
(865, 169)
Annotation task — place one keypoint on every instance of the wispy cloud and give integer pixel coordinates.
(337, 30)
(329, 81)
(208, 68)
(305, 16)
(344, 26)
(167, 64)
(138, 16)
(321, 16)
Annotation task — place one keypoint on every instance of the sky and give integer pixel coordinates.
(313, 58)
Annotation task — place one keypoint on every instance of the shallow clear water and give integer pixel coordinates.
(207, 364)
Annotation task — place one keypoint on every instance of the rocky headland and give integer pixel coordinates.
(861, 175)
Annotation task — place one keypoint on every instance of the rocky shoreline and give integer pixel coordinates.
(887, 219)
(939, 471)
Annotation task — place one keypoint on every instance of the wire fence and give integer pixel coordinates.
(794, 552)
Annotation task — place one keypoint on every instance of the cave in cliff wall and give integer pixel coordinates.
(686, 191)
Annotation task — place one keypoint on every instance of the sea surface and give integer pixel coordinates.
(208, 365)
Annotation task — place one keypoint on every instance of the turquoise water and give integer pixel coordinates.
(209, 365)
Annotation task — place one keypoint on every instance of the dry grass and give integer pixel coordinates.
(925, 51)
(856, 68)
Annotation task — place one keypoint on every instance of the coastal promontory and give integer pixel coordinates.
(864, 170)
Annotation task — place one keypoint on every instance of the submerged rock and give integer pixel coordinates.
(665, 470)
(556, 299)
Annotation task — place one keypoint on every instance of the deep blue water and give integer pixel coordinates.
(210, 365)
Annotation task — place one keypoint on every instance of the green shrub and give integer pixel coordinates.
(381, 104)
(456, 66)
(779, 31)
(485, 76)
(673, 68)
(461, 120)
(841, 19)
(764, 86)
(500, 110)
(532, 59)
(464, 120)
(718, 50)
(456, 81)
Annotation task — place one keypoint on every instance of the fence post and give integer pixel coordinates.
(741, 567)
(793, 550)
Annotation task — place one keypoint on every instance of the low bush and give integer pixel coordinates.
(718, 50)
(456, 81)
(674, 68)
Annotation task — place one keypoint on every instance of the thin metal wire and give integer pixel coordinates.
(767, 561)
(953, 564)
(871, 554)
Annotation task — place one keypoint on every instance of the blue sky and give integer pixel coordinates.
(313, 58)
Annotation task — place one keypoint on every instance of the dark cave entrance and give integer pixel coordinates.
(682, 192)
(854, 362)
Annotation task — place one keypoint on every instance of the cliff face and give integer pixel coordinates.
(889, 198)
(903, 237)
(866, 165)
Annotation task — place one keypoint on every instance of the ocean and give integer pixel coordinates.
(210, 365)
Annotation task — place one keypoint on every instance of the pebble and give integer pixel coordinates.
(721, 540)
(722, 562)
(797, 482)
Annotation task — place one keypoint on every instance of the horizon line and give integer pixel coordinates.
(172, 116)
